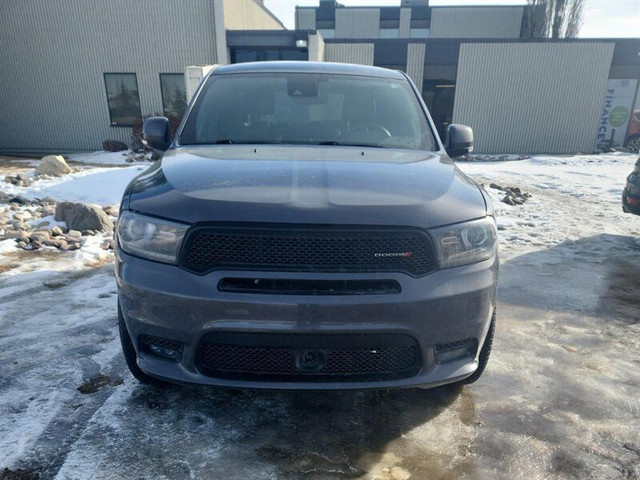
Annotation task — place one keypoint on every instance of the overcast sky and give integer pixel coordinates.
(602, 18)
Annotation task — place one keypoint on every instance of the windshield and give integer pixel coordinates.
(313, 109)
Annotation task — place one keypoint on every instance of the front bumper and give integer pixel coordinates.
(168, 302)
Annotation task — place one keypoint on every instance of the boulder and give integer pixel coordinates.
(114, 146)
(54, 165)
(81, 216)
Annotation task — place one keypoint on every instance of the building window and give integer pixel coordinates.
(389, 33)
(439, 95)
(240, 55)
(174, 96)
(419, 33)
(123, 99)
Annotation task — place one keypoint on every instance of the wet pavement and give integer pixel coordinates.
(560, 399)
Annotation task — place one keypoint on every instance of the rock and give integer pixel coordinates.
(42, 224)
(111, 210)
(56, 242)
(496, 186)
(54, 165)
(74, 234)
(40, 236)
(34, 245)
(508, 200)
(114, 146)
(107, 244)
(48, 200)
(56, 231)
(22, 236)
(21, 244)
(81, 216)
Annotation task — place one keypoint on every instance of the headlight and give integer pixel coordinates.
(150, 237)
(465, 243)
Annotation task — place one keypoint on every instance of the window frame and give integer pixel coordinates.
(106, 92)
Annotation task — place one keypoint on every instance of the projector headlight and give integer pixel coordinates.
(149, 237)
(465, 243)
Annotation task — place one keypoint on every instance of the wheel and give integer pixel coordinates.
(483, 358)
(130, 354)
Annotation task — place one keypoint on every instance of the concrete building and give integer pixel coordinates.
(74, 73)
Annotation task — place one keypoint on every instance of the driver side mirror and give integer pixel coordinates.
(459, 140)
(155, 133)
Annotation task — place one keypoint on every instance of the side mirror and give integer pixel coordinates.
(459, 140)
(155, 133)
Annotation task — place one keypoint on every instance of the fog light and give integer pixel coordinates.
(161, 347)
(449, 352)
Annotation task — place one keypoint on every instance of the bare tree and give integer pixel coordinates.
(553, 18)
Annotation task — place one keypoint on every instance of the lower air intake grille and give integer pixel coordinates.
(309, 357)
(301, 249)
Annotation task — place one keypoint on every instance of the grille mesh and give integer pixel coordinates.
(235, 360)
(308, 249)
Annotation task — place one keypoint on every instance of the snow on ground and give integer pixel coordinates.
(103, 186)
(551, 216)
(101, 157)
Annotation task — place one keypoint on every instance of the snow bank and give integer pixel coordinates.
(103, 186)
(101, 157)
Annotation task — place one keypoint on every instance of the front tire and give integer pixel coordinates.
(130, 355)
(483, 358)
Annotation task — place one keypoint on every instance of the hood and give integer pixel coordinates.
(306, 184)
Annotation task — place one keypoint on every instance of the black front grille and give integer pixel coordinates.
(308, 249)
(346, 357)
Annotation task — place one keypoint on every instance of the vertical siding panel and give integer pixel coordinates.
(54, 56)
(415, 63)
(547, 101)
(405, 23)
(358, 23)
(305, 19)
(476, 22)
(360, 53)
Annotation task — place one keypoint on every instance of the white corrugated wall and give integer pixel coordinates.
(532, 97)
(360, 53)
(54, 55)
(358, 23)
(415, 63)
(476, 22)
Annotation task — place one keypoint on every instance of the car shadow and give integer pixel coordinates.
(294, 434)
(598, 276)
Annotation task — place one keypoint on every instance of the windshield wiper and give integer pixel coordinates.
(228, 141)
(348, 144)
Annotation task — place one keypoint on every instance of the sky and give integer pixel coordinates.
(602, 18)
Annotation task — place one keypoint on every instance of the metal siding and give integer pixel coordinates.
(405, 23)
(358, 23)
(305, 19)
(54, 56)
(479, 22)
(415, 63)
(360, 53)
(548, 100)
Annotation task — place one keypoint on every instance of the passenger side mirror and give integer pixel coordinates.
(155, 133)
(459, 140)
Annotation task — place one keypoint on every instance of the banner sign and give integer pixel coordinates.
(617, 109)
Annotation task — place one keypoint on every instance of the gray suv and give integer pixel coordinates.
(306, 229)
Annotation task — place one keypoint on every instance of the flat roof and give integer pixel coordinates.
(307, 67)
